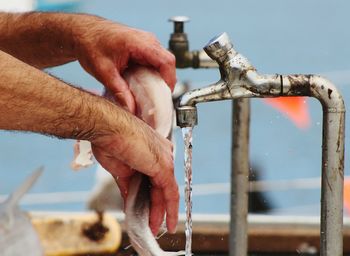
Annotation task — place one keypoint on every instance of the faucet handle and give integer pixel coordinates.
(179, 23)
(218, 47)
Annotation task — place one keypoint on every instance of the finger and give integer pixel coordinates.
(109, 75)
(163, 61)
(168, 185)
(171, 197)
(123, 185)
(122, 93)
(167, 70)
(157, 210)
(166, 64)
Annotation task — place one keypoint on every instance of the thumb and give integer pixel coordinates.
(122, 93)
(109, 75)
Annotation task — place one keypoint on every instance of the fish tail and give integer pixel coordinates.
(14, 198)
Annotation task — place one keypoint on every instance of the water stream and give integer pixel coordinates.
(187, 136)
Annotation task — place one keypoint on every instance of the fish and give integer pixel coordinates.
(154, 106)
(105, 195)
(137, 219)
(82, 155)
(17, 234)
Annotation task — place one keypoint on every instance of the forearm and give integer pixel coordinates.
(41, 39)
(31, 100)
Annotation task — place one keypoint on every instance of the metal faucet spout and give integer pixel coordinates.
(210, 93)
(186, 112)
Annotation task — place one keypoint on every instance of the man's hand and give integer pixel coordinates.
(150, 154)
(105, 49)
(31, 100)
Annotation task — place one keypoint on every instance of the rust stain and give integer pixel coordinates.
(341, 167)
(300, 85)
(340, 132)
(328, 184)
(244, 72)
(95, 231)
(329, 93)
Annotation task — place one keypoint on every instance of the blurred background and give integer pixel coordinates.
(309, 37)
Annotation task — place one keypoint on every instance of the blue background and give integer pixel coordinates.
(276, 36)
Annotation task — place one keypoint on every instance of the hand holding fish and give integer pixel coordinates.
(32, 100)
(103, 48)
(150, 154)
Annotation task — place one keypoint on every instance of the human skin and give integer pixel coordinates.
(34, 101)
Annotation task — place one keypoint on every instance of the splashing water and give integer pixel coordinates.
(187, 136)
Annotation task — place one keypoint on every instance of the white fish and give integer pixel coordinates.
(137, 219)
(105, 195)
(17, 234)
(154, 106)
(82, 155)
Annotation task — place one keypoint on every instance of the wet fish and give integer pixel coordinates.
(137, 219)
(154, 106)
(17, 234)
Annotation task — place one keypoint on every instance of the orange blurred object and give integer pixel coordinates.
(295, 108)
(347, 195)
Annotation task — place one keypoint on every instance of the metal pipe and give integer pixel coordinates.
(187, 116)
(238, 243)
(179, 46)
(332, 155)
(239, 79)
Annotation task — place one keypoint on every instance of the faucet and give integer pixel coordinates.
(239, 79)
(231, 65)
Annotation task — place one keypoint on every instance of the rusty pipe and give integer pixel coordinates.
(187, 117)
(238, 243)
(239, 79)
(332, 155)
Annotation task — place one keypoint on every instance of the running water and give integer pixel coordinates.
(187, 136)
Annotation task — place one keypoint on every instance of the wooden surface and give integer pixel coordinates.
(62, 234)
(282, 235)
(71, 234)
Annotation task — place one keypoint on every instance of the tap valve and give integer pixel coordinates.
(179, 45)
(179, 23)
(220, 48)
